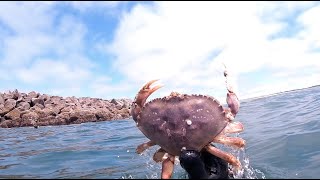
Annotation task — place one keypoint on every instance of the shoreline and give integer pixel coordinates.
(34, 109)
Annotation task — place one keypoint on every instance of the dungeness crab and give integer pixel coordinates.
(181, 121)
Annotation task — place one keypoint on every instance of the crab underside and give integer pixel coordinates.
(180, 121)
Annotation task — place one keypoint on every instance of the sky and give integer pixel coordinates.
(111, 49)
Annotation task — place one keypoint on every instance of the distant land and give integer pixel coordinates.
(34, 109)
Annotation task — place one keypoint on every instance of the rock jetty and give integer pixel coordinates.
(34, 109)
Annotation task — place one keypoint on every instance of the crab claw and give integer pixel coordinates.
(145, 92)
(232, 99)
(142, 96)
(233, 103)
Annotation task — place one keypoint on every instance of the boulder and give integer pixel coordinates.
(33, 94)
(30, 115)
(22, 106)
(35, 101)
(9, 104)
(103, 114)
(7, 124)
(7, 96)
(13, 114)
(1, 99)
(44, 97)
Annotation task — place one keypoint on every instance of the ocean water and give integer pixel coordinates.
(282, 134)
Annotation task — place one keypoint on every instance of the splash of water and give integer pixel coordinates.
(154, 169)
(246, 171)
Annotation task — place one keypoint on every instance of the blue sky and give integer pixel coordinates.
(110, 49)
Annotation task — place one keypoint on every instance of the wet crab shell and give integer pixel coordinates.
(174, 122)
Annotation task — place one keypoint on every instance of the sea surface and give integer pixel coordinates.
(282, 134)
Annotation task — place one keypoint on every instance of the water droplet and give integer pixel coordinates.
(176, 160)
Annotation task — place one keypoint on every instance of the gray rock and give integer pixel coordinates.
(1, 99)
(13, 114)
(39, 106)
(44, 97)
(33, 94)
(7, 124)
(103, 114)
(67, 109)
(16, 95)
(55, 99)
(35, 101)
(83, 115)
(48, 120)
(22, 106)
(7, 96)
(28, 122)
(33, 109)
(9, 104)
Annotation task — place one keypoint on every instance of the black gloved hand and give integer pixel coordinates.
(191, 161)
(215, 166)
(203, 165)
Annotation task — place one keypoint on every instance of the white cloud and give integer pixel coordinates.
(44, 51)
(104, 8)
(20, 19)
(109, 91)
(281, 10)
(172, 41)
(85, 5)
(181, 43)
(312, 26)
(44, 71)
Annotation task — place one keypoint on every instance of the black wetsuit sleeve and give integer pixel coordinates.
(191, 161)
(203, 165)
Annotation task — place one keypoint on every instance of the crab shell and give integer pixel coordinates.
(182, 121)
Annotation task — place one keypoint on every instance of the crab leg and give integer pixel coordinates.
(167, 167)
(224, 155)
(141, 98)
(159, 155)
(232, 99)
(144, 146)
(233, 127)
(231, 141)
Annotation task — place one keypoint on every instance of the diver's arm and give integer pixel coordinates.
(191, 161)
(203, 165)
